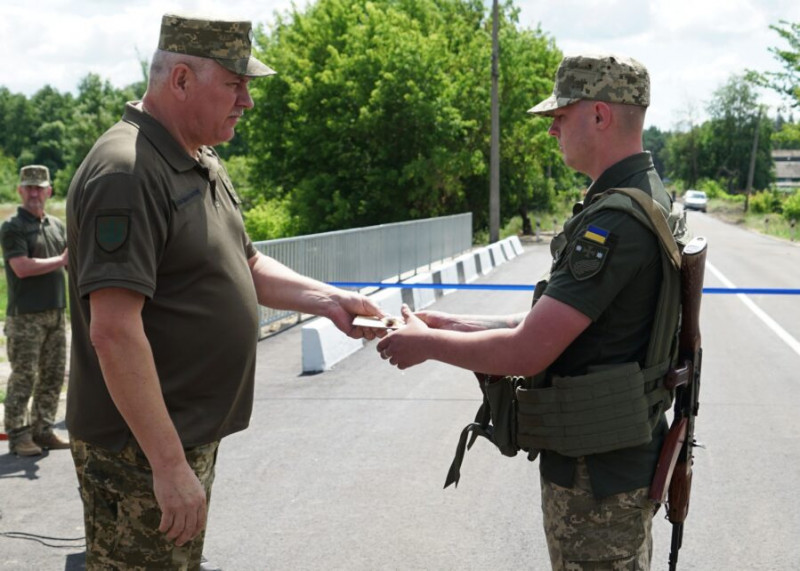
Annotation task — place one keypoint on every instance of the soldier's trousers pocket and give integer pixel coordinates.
(588, 534)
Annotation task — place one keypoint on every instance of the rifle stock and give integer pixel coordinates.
(673, 476)
(672, 481)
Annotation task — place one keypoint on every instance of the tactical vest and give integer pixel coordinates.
(611, 406)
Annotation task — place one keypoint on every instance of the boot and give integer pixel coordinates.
(50, 441)
(24, 446)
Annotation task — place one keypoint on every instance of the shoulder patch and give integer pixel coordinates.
(111, 232)
(588, 257)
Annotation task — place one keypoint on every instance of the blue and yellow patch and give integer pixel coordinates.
(596, 234)
(590, 252)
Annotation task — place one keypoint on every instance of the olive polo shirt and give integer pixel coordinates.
(621, 300)
(26, 235)
(145, 216)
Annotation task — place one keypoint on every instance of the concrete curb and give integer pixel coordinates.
(323, 345)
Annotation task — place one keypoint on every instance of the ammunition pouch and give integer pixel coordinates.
(496, 421)
(609, 408)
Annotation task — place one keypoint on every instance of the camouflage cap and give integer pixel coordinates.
(597, 77)
(34, 175)
(225, 41)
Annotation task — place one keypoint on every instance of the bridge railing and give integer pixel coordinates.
(370, 254)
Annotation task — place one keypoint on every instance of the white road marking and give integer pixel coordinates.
(768, 321)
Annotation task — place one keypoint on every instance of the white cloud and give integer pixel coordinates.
(691, 47)
(60, 42)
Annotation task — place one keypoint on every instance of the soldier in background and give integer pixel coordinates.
(34, 251)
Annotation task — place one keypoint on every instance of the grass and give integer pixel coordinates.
(771, 224)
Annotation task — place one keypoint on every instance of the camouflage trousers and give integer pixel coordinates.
(37, 351)
(121, 514)
(587, 534)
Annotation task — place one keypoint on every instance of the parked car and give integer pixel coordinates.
(695, 200)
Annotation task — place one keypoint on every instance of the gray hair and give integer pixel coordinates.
(163, 62)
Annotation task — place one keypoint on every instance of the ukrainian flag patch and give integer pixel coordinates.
(596, 234)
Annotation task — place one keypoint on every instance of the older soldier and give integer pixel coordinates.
(164, 290)
(591, 326)
(34, 250)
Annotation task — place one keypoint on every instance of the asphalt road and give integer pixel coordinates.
(344, 470)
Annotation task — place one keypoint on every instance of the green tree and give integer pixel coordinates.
(786, 82)
(681, 156)
(48, 148)
(53, 113)
(9, 177)
(735, 115)
(380, 111)
(17, 122)
(788, 137)
(531, 166)
(655, 141)
(97, 106)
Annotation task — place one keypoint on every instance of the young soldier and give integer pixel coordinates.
(595, 316)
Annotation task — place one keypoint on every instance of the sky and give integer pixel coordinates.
(691, 47)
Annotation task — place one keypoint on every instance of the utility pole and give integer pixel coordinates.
(752, 170)
(494, 156)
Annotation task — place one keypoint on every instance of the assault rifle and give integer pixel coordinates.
(673, 478)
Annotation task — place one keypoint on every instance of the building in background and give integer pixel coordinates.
(787, 169)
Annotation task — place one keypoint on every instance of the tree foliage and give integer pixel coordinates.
(380, 112)
(58, 129)
(786, 82)
(655, 141)
(788, 137)
(721, 147)
(735, 116)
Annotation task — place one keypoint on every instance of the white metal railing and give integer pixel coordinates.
(371, 254)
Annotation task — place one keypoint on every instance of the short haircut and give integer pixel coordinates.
(163, 62)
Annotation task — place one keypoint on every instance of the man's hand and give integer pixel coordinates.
(280, 287)
(182, 500)
(347, 306)
(405, 347)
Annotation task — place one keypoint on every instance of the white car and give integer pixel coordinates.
(695, 200)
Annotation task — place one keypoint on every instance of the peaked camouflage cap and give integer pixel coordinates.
(34, 175)
(597, 77)
(227, 42)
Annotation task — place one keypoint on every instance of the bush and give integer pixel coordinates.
(270, 220)
(765, 202)
(712, 188)
(791, 207)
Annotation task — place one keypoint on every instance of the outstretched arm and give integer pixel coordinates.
(467, 323)
(526, 349)
(282, 288)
